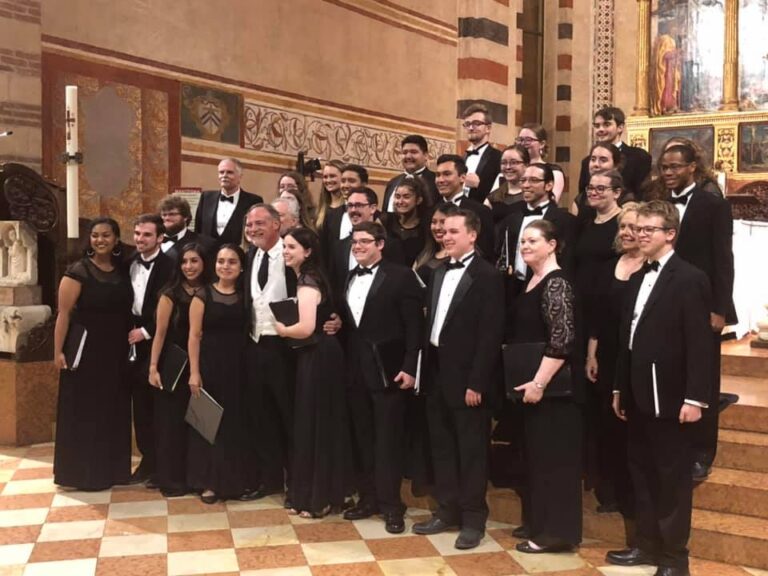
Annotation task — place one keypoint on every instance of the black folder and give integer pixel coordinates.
(521, 362)
(171, 367)
(204, 415)
(388, 357)
(287, 312)
(74, 343)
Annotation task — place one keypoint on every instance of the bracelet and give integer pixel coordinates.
(538, 386)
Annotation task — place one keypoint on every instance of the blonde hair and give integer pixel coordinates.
(625, 209)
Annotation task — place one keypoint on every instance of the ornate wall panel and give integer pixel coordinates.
(602, 76)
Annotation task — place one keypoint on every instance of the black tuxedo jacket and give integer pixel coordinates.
(392, 318)
(339, 262)
(205, 217)
(706, 241)
(429, 180)
(637, 166)
(159, 276)
(485, 238)
(565, 222)
(191, 237)
(488, 169)
(672, 339)
(469, 354)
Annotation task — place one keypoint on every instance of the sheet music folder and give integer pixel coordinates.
(204, 415)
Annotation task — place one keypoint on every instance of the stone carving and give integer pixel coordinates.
(28, 200)
(726, 149)
(16, 321)
(18, 254)
(284, 132)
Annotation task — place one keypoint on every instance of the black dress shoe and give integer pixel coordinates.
(432, 526)
(521, 532)
(361, 511)
(468, 538)
(151, 483)
(394, 523)
(700, 471)
(629, 557)
(139, 476)
(173, 492)
(526, 548)
(257, 494)
(669, 571)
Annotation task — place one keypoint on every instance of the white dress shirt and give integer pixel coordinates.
(682, 207)
(168, 244)
(139, 280)
(391, 203)
(447, 290)
(224, 211)
(274, 290)
(473, 161)
(521, 268)
(357, 293)
(346, 226)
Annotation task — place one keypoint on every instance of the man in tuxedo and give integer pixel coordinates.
(414, 153)
(338, 227)
(483, 160)
(450, 180)
(288, 208)
(177, 215)
(537, 184)
(464, 334)
(220, 213)
(150, 269)
(662, 386)
(608, 125)
(383, 313)
(706, 241)
(270, 363)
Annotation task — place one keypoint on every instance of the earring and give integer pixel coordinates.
(117, 250)
(90, 252)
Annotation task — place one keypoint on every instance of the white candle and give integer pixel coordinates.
(73, 207)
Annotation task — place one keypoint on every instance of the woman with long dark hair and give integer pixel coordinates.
(93, 422)
(170, 405)
(603, 156)
(514, 160)
(434, 253)
(317, 479)
(534, 138)
(407, 222)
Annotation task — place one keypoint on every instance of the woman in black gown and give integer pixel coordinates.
(545, 313)
(217, 332)
(170, 407)
(317, 480)
(434, 254)
(93, 422)
(408, 222)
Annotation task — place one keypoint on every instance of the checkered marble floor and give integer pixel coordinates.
(47, 531)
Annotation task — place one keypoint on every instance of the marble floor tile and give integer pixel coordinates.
(78, 498)
(374, 528)
(14, 554)
(271, 557)
(250, 518)
(36, 462)
(138, 509)
(337, 552)
(12, 570)
(133, 494)
(29, 487)
(127, 526)
(203, 540)
(6, 475)
(150, 565)
(264, 536)
(197, 522)
(484, 564)
(628, 570)
(326, 532)
(202, 562)
(72, 513)
(417, 567)
(26, 517)
(267, 503)
(535, 563)
(20, 501)
(135, 545)
(756, 572)
(83, 567)
(19, 534)
(65, 550)
(400, 548)
(33, 473)
(292, 571)
(193, 506)
(329, 519)
(357, 568)
(445, 544)
(83, 530)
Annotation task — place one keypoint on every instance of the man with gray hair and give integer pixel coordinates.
(288, 208)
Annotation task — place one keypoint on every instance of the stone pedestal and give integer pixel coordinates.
(20, 295)
(29, 392)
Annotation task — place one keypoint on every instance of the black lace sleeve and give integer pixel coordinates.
(77, 271)
(557, 305)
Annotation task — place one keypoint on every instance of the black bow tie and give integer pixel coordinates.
(651, 266)
(472, 153)
(538, 211)
(362, 270)
(173, 239)
(146, 263)
(454, 265)
(680, 199)
(225, 198)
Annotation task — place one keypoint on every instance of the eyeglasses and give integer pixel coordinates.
(531, 180)
(673, 167)
(362, 241)
(356, 205)
(599, 189)
(648, 230)
(526, 140)
(511, 163)
(474, 124)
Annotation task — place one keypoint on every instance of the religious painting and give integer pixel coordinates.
(704, 136)
(687, 55)
(753, 147)
(210, 114)
(753, 55)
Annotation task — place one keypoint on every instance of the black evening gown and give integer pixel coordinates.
(552, 502)
(412, 239)
(171, 430)
(222, 467)
(93, 422)
(320, 425)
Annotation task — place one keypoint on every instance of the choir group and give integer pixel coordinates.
(466, 328)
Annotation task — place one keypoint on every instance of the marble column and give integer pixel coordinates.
(731, 60)
(642, 99)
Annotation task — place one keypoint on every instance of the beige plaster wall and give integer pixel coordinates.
(625, 63)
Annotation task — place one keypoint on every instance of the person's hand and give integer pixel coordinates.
(60, 361)
(472, 180)
(472, 398)
(405, 380)
(195, 384)
(689, 413)
(532, 394)
(717, 322)
(616, 403)
(280, 328)
(135, 336)
(332, 325)
(591, 369)
(154, 378)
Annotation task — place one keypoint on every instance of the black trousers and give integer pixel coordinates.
(269, 398)
(378, 425)
(660, 459)
(459, 440)
(142, 399)
(706, 430)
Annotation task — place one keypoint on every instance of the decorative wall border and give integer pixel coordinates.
(603, 55)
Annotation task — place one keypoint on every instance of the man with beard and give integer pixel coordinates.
(483, 160)
(177, 216)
